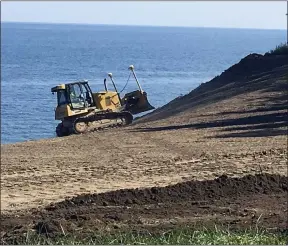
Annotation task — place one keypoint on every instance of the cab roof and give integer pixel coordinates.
(63, 86)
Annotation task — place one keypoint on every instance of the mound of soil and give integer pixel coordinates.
(253, 73)
(249, 66)
(190, 190)
(238, 202)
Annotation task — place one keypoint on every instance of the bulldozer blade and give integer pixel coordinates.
(140, 109)
(136, 102)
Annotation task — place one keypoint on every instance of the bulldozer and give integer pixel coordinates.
(80, 110)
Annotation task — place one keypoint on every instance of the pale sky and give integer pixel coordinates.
(245, 14)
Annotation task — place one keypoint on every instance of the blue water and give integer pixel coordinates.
(169, 61)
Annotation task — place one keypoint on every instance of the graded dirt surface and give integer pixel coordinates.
(234, 125)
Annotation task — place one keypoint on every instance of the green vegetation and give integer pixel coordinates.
(178, 236)
(281, 49)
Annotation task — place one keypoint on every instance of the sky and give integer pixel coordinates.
(225, 14)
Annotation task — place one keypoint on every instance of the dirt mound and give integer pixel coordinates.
(251, 65)
(254, 72)
(233, 201)
(190, 190)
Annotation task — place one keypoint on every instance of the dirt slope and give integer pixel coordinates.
(235, 125)
(263, 77)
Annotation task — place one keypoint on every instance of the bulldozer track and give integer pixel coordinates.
(88, 124)
(104, 128)
(125, 117)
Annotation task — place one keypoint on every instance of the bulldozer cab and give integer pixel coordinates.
(77, 94)
(72, 99)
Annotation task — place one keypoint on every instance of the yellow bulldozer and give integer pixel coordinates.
(80, 110)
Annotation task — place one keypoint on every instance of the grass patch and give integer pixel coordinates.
(177, 236)
(281, 49)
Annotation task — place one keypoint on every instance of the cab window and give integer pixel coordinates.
(76, 96)
(61, 96)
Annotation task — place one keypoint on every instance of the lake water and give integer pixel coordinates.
(169, 62)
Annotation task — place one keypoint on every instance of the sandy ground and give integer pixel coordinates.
(36, 173)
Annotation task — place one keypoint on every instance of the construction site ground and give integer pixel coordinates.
(191, 162)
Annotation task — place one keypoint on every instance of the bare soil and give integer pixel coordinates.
(235, 202)
(230, 127)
